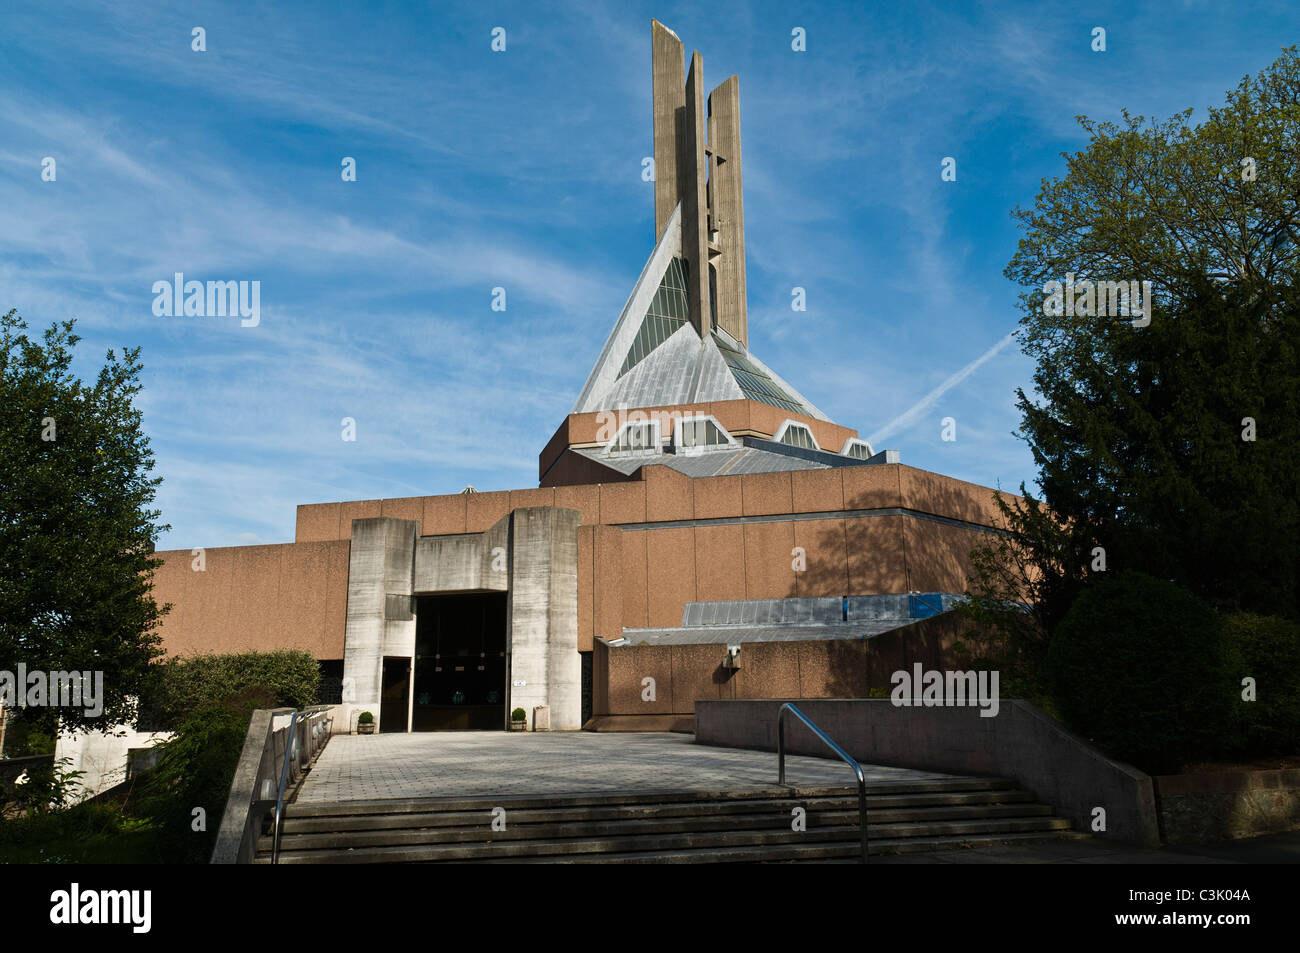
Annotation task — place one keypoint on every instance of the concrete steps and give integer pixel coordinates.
(665, 826)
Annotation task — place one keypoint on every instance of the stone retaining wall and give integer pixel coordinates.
(1195, 808)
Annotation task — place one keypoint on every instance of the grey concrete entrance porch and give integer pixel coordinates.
(474, 764)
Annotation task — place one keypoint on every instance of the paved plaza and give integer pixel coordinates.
(481, 763)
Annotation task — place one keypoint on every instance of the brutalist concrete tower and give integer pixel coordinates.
(697, 163)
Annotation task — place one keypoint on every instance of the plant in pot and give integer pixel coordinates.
(519, 720)
(365, 723)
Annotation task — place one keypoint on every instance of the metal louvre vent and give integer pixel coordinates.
(398, 608)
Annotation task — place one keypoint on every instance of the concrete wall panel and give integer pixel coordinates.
(317, 521)
(540, 497)
(210, 594)
(336, 598)
(817, 491)
(768, 570)
(634, 580)
(584, 499)
(938, 555)
(827, 572)
(607, 606)
(404, 508)
(876, 557)
(444, 514)
(357, 510)
(765, 493)
(868, 488)
(767, 670)
(670, 571)
(304, 574)
(719, 562)
(484, 509)
(448, 564)
(622, 503)
(669, 494)
(717, 497)
(697, 673)
(628, 668)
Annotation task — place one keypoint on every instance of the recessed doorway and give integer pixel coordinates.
(460, 662)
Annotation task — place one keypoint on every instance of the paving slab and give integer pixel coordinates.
(473, 764)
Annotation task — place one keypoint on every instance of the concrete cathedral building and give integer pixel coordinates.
(700, 529)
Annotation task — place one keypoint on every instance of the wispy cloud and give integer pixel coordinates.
(522, 170)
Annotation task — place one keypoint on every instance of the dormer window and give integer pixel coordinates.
(639, 438)
(795, 434)
(857, 449)
(700, 433)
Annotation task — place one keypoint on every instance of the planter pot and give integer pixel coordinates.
(518, 726)
(366, 729)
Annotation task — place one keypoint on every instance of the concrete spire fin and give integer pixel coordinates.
(695, 202)
(669, 81)
(728, 207)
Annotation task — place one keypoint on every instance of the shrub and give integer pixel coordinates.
(43, 788)
(1267, 649)
(179, 687)
(519, 715)
(89, 833)
(365, 718)
(1141, 668)
(195, 769)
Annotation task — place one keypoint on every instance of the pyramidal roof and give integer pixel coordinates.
(655, 358)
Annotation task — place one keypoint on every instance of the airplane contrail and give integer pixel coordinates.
(925, 403)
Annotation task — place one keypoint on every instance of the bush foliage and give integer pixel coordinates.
(179, 687)
(1267, 649)
(1141, 668)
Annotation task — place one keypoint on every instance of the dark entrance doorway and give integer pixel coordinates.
(394, 694)
(460, 662)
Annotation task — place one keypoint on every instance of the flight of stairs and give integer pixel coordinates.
(666, 827)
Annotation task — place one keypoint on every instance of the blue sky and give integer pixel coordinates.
(522, 169)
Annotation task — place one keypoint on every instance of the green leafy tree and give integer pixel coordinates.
(1140, 433)
(77, 530)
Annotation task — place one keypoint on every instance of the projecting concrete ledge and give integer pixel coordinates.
(1020, 743)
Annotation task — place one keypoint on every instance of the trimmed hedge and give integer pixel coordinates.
(178, 687)
(1141, 667)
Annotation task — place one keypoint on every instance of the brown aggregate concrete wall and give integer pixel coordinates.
(1020, 743)
(1195, 808)
(821, 668)
(255, 598)
(633, 578)
(661, 494)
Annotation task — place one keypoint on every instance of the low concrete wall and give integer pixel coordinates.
(1195, 808)
(102, 757)
(1020, 743)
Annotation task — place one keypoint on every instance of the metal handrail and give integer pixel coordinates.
(826, 739)
(290, 750)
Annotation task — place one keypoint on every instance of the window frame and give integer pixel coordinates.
(786, 425)
(679, 447)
